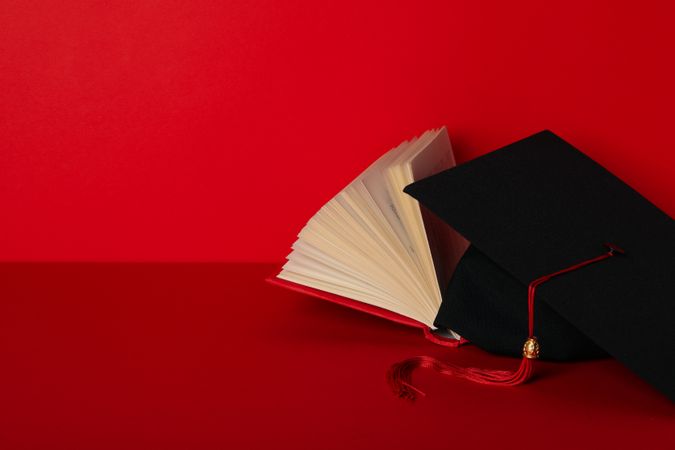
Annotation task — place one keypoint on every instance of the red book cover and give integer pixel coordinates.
(370, 309)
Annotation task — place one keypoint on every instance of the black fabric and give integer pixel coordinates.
(485, 302)
(539, 205)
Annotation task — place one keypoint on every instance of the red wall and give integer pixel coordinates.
(191, 130)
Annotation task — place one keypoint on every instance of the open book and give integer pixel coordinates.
(374, 244)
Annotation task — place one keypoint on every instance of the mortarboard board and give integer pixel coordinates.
(539, 209)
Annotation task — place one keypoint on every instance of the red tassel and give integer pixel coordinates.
(399, 375)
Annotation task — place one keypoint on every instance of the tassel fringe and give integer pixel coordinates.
(399, 375)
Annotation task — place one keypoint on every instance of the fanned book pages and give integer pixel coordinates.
(374, 244)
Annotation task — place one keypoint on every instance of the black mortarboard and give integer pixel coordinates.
(538, 206)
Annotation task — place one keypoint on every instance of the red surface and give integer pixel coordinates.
(206, 356)
(211, 130)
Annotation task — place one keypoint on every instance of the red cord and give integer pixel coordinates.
(399, 375)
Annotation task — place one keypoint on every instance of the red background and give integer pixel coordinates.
(192, 130)
(211, 131)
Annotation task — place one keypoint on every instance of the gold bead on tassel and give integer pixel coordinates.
(531, 348)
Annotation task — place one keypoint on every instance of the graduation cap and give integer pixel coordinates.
(566, 262)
